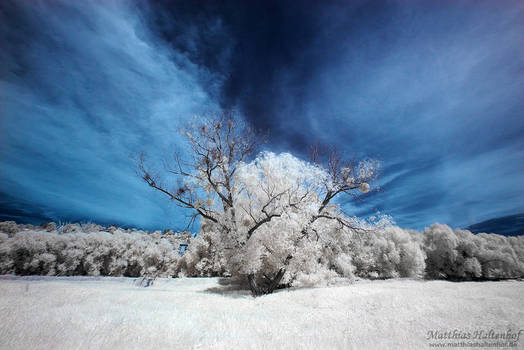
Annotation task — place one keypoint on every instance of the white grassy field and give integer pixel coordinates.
(201, 313)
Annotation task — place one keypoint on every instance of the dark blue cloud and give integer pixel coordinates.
(432, 90)
(438, 93)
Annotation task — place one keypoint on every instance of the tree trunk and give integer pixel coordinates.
(276, 281)
(255, 289)
(273, 283)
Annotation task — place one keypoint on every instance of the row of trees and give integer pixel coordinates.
(381, 251)
(93, 251)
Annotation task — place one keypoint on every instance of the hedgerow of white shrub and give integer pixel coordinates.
(462, 255)
(202, 258)
(33, 251)
(389, 252)
(386, 251)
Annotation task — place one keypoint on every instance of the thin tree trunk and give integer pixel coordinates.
(255, 289)
(274, 282)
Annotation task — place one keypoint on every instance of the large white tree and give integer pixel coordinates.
(273, 218)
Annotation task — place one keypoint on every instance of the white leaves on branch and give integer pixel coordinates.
(285, 194)
(367, 169)
(210, 202)
(208, 188)
(278, 214)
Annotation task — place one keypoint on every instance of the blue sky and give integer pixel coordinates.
(434, 91)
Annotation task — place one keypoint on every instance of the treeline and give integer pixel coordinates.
(438, 252)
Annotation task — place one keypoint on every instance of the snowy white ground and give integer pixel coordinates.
(200, 313)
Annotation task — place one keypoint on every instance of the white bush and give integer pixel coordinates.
(460, 254)
(9, 227)
(388, 252)
(122, 253)
(202, 258)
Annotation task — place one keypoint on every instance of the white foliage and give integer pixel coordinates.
(8, 227)
(460, 254)
(367, 168)
(202, 258)
(319, 277)
(372, 250)
(287, 191)
(122, 253)
(388, 252)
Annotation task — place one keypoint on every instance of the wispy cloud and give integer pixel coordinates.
(438, 93)
(84, 86)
